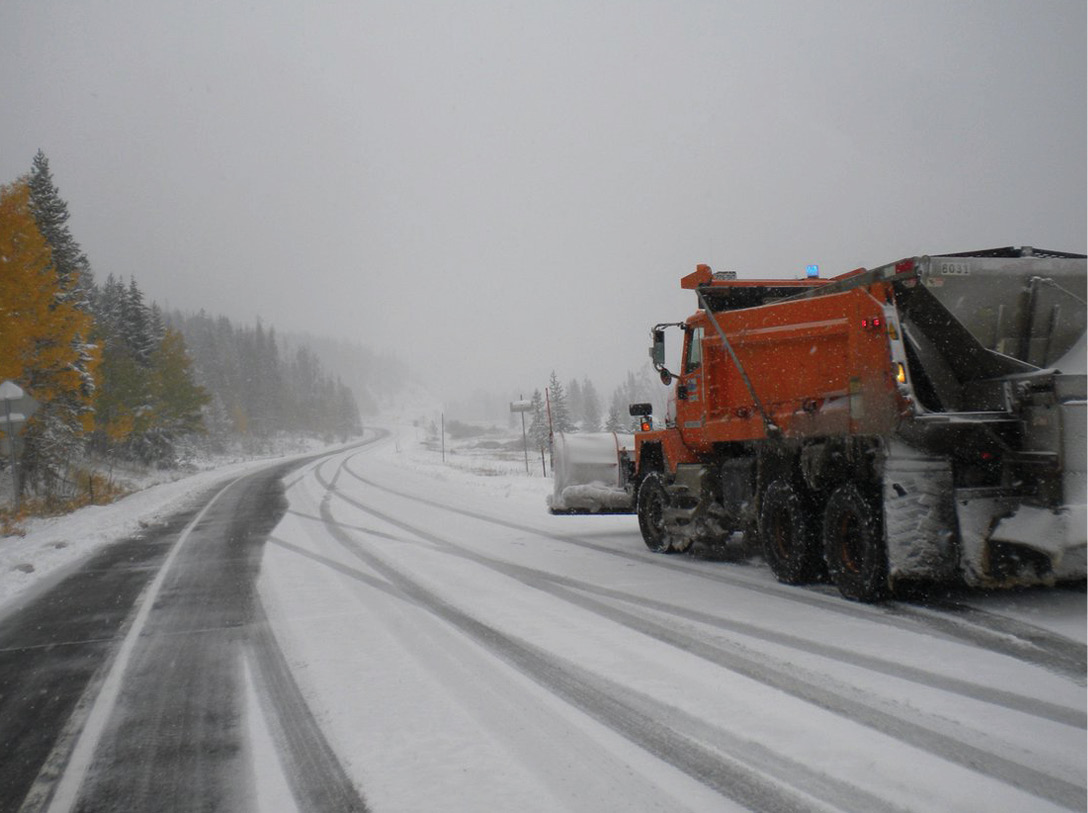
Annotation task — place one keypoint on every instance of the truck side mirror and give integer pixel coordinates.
(638, 410)
(657, 352)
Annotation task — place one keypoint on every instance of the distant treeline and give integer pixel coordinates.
(115, 378)
(256, 392)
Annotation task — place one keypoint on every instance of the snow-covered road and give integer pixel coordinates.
(463, 650)
(417, 635)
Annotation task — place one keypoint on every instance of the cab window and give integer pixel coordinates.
(693, 358)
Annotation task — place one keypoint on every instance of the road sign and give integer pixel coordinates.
(16, 407)
(523, 406)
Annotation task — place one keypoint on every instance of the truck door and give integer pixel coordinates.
(691, 395)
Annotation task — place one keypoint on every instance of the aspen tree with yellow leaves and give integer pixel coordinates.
(43, 339)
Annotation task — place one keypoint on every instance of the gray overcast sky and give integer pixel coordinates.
(499, 189)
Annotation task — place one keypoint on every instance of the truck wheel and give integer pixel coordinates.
(785, 530)
(857, 558)
(653, 499)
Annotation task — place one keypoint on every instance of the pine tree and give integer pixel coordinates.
(591, 407)
(348, 423)
(149, 401)
(574, 402)
(136, 325)
(557, 400)
(156, 324)
(124, 401)
(538, 425)
(51, 214)
(615, 420)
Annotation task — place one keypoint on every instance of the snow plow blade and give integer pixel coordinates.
(589, 473)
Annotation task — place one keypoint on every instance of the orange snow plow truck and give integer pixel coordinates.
(923, 421)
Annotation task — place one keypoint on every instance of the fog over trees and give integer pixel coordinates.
(117, 380)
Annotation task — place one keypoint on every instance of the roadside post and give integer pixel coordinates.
(523, 407)
(17, 410)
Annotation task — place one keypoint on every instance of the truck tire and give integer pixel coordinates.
(854, 547)
(785, 529)
(653, 499)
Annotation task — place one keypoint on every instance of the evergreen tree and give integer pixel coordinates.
(156, 324)
(574, 402)
(590, 413)
(50, 212)
(124, 400)
(109, 305)
(614, 423)
(348, 423)
(557, 400)
(149, 400)
(617, 411)
(136, 325)
(538, 425)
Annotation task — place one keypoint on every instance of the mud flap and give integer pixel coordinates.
(920, 519)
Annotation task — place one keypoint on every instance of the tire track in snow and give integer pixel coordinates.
(540, 579)
(726, 765)
(975, 627)
(784, 677)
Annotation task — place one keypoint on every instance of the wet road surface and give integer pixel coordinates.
(124, 687)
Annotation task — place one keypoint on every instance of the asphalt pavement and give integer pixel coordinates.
(122, 687)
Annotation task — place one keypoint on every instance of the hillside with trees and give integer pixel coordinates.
(256, 392)
(120, 382)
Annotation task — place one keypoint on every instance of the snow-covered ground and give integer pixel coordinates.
(464, 650)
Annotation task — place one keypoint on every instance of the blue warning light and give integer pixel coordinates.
(812, 271)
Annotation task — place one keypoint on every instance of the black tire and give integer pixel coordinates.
(854, 546)
(653, 499)
(785, 530)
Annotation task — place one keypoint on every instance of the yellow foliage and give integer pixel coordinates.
(239, 419)
(40, 332)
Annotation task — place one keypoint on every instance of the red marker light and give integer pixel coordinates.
(645, 425)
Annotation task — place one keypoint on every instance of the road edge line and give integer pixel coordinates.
(68, 786)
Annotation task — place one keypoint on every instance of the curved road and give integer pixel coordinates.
(462, 652)
(130, 684)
